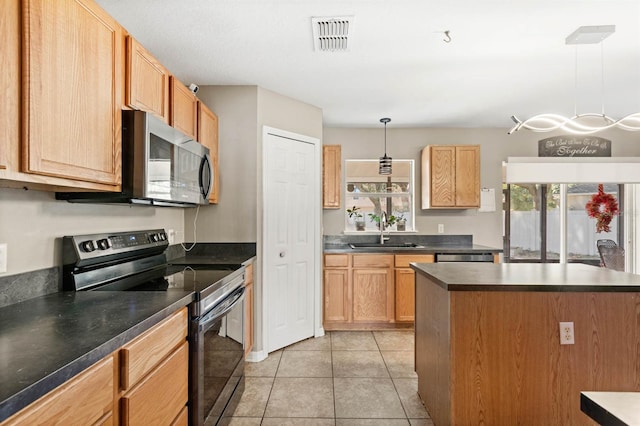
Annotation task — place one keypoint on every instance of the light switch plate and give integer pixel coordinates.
(3, 257)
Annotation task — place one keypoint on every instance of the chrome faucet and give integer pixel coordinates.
(383, 223)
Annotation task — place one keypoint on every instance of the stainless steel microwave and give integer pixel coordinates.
(160, 166)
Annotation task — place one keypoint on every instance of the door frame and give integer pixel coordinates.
(317, 232)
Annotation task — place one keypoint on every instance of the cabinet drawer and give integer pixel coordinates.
(85, 399)
(336, 260)
(161, 395)
(403, 260)
(372, 260)
(145, 352)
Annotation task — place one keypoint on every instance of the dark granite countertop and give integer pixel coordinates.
(429, 244)
(527, 277)
(612, 408)
(423, 249)
(217, 254)
(49, 339)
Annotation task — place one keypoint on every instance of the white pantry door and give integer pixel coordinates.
(290, 239)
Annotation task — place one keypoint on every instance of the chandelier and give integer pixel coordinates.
(385, 161)
(581, 124)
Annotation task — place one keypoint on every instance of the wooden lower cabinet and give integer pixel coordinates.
(337, 295)
(85, 399)
(248, 312)
(161, 395)
(366, 291)
(373, 295)
(406, 286)
(144, 382)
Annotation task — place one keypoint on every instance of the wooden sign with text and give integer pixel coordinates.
(574, 146)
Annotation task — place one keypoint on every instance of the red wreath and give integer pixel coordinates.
(603, 207)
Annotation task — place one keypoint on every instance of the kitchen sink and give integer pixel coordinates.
(386, 245)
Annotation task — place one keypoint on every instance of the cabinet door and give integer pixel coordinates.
(337, 295)
(331, 178)
(86, 399)
(162, 394)
(467, 176)
(73, 69)
(147, 81)
(443, 184)
(9, 80)
(208, 136)
(184, 109)
(373, 295)
(405, 297)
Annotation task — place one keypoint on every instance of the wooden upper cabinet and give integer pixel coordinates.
(468, 176)
(451, 176)
(184, 109)
(208, 136)
(331, 176)
(147, 81)
(9, 79)
(72, 91)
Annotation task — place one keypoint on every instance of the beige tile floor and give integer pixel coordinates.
(346, 378)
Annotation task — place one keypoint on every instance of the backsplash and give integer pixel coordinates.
(19, 287)
(443, 239)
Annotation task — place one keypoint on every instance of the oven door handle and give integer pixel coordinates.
(224, 307)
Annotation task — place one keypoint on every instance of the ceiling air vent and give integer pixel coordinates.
(331, 34)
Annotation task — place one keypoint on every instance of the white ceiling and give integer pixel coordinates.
(505, 57)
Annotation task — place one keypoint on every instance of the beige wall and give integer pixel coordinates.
(234, 218)
(496, 146)
(32, 222)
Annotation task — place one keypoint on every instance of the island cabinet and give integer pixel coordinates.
(451, 176)
(488, 347)
(405, 278)
(72, 91)
(147, 81)
(208, 136)
(184, 109)
(331, 176)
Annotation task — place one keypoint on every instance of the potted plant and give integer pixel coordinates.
(357, 217)
(401, 222)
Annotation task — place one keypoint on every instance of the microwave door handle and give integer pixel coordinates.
(206, 176)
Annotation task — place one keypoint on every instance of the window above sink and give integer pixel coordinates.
(372, 193)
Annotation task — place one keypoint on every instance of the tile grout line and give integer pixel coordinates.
(275, 374)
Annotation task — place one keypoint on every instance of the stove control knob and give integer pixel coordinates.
(163, 236)
(104, 244)
(154, 238)
(87, 246)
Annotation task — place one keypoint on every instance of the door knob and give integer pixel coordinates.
(281, 254)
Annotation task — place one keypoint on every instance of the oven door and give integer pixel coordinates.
(217, 364)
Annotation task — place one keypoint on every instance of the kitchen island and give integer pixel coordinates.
(488, 340)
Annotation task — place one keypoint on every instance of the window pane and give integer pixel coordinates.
(525, 221)
(581, 229)
(372, 193)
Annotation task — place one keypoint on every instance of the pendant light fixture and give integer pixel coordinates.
(581, 124)
(385, 161)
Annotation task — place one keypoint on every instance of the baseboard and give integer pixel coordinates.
(256, 356)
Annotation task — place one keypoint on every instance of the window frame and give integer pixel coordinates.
(410, 194)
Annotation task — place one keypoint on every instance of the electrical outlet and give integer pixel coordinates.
(441, 228)
(566, 333)
(3, 257)
(171, 234)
